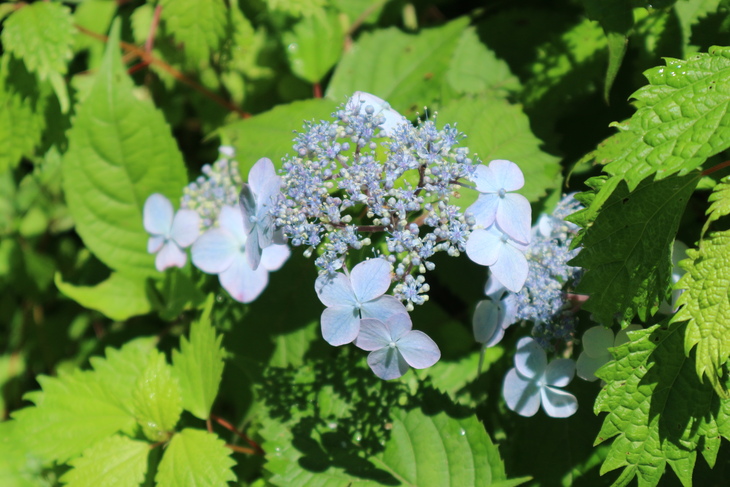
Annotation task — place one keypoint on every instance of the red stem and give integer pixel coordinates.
(716, 167)
(256, 448)
(148, 59)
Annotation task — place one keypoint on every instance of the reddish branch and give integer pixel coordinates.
(149, 59)
(255, 448)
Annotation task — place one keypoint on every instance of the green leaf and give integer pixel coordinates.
(156, 398)
(314, 45)
(41, 34)
(195, 457)
(18, 467)
(176, 292)
(627, 250)
(497, 130)
(406, 70)
(296, 8)
(96, 16)
(720, 202)
(199, 25)
(198, 365)
(119, 297)
(71, 413)
(705, 304)
(22, 104)
(476, 69)
(646, 400)
(565, 65)
(117, 461)
(120, 152)
(682, 119)
(423, 450)
(120, 369)
(270, 134)
(616, 17)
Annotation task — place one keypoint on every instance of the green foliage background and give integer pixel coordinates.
(112, 373)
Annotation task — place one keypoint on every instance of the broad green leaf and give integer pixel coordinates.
(22, 103)
(195, 457)
(422, 450)
(120, 369)
(648, 411)
(117, 461)
(497, 130)
(406, 70)
(314, 45)
(475, 69)
(200, 25)
(71, 413)
(627, 250)
(119, 297)
(271, 134)
(720, 202)
(41, 34)
(705, 304)
(682, 119)
(156, 398)
(198, 365)
(120, 152)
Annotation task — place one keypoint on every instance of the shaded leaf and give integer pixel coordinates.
(627, 250)
(199, 25)
(648, 412)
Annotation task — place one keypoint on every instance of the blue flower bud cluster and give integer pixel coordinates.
(366, 173)
(543, 299)
(217, 187)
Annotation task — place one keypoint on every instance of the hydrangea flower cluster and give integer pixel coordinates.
(367, 178)
(370, 171)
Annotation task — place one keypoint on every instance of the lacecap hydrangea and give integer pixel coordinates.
(372, 198)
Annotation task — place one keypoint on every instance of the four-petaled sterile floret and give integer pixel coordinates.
(349, 298)
(170, 231)
(533, 382)
(394, 347)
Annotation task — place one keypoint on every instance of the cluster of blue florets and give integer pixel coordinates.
(543, 300)
(218, 186)
(359, 175)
